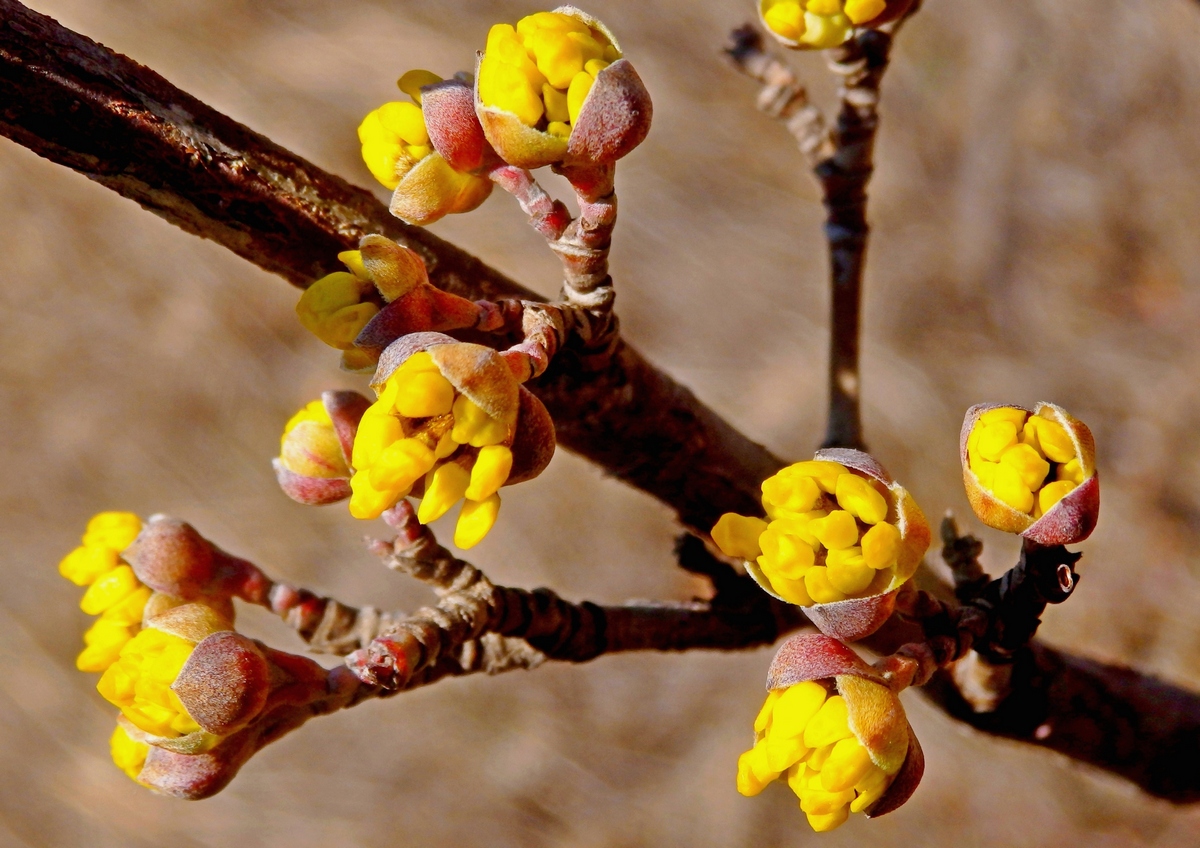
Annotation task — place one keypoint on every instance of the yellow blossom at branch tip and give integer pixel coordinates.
(424, 436)
(818, 24)
(334, 308)
(542, 69)
(804, 737)
(1027, 461)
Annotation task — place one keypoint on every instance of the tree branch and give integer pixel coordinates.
(81, 105)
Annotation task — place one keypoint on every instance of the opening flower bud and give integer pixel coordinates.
(833, 730)
(1031, 471)
(450, 423)
(555, 88)
(397, 149)
(186, 680)
(840, 538)
(313, 465)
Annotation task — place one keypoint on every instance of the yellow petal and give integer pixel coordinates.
(848, 574)
(475, 520)
(861, 11)
(489, 472)
(401, 464)
(413, 80)
(737, 535)
(109, 590)
(848, 763)
(829, 725)
(85, 565)
(444, 486)
(824, 824)
(581, 86)
(836, 530)
(857, 496)
(376, 431)
(796, 708)
(764, 715)
(1054, 441)
(995, 438)
(1052, 493)
(128, 754)
(423, 395)
(881, 546)
(789, 493)
(1028, 464)
(816, 581)
(115, 530)
(785, 555)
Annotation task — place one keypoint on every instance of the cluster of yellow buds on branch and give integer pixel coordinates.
(556, 89)
(835, 731)
(840, 539)
(1031, 472)
(821, 24)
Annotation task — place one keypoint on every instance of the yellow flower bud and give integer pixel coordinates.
(333, 309)
(450, 413)
(820, 24)
(841, 743)
(1019, 464)
(412, 81)
(881, 546)
(139, 683)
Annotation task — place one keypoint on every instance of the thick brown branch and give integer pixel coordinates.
(1119, 719)
(81, 105)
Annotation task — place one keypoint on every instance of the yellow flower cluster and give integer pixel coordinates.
(114, 592)
(543, 69)
(803, 734)
(818, 24)
(128, 753)
(422, 431)
(310, 445)
(393, 137)
(139, 683)
(1027, 461)
(334, 308)
(828, 538)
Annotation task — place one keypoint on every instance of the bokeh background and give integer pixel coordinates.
(1036, 211)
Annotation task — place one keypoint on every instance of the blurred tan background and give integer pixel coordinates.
(1036, 213)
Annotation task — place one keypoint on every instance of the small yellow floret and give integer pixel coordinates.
(115, 530)
(857, 496)
(836, 530)
(1008, 486)
(848, 572)
(1052, 493)
(738, 535)
(444, 487)
(789, 493)
(332, 309)
(412, 81)
(84, 565)
(820, 589)
(881, 546)
(829, 724)
(861, 11)
(475, 520)
(1028, 464)
(128, 754)
(1072, 471)
(824, 472)
(785, 18)
(1054, 440)
(401, 464)
(785, 554)
(474, 427)
(995, 438)
(109, 590)
(491, 469)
